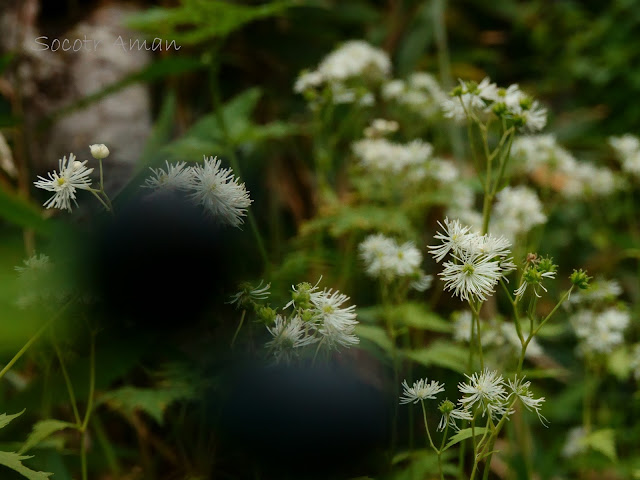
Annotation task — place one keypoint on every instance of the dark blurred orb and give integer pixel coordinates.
(305, 422)
(159, 264)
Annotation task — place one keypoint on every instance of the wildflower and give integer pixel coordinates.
(177, 177)
(533, 276)
(599, 332)
(469, 99)
(450, 414)
(374, 250)
(421, 390)
(72, 175)
(99, 151)
(249, 294)
(422, 283)
(520, 389)
(472, 276)
(380, 127)
(287, 337)
(455, 238)
(485, 390)
(337, 324)
(517, 211)
(574, 444)
(405, 260)
(580, 279)
(220, 192)
(382, 156)
(353, 59)
(35, 263)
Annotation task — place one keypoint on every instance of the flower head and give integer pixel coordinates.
(421, 390)
(336, 323)
(249, 294)
(450, 414)
(455, 238)
(472, 276)
(72, 175)
(485, 390)
(288, 335)
(177, 177)
(220, 192)
(520, 389)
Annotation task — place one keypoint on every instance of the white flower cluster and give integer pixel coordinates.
(485, 392)
(317, 317)
(598, 321)
(551, 165)
(479, 261)
(421, 93)
(384, 258)
(72, 175)
(209, 185)
(354, 59)
(471, 100)
(627, 148)
(35, 279)
(380, 127)
(516, 212)
(383, 156)
(599, 331)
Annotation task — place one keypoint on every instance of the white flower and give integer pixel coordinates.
(382, 156)
(352, 59)
(177, 177)
(486, 390)
(405, 260)
(472, 100)
(517, 211)
(337, 324)
(220, 192)
(308, 80)
(288, 336)
(574, 444)
(451, 417)
(625, 146)
(250, 293)
(421, 390)
(374, 250)
(35, 263)
(99, 151)
(600, 290)
(462, 326)
(520, 389)
(423, 283)
(73, 175)
(384, 258)
(455, 238)
(380, 127)
(472, 276)
(599, 332)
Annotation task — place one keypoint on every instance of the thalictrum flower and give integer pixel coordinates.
(72, 175)
(421, 390)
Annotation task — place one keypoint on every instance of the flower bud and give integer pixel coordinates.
(580, 279)
(99, 151)
(266, 315)
(446, 407)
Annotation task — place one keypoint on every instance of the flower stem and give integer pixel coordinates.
(235, 335)
(67, 381)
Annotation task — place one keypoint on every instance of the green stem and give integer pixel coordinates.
(546, 319)
(92, 383)
(33, 339)
(96, 193)
(83, 455)
(109, 453)
(67, 381)
(235, 335)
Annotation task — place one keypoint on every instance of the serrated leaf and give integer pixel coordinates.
(602, 441)
(198, 21)
(6, 419)
(442, 354)
(375, 335)
(153, 402)
(360, 218)
(14, 462)
(43, 430)
(463, 435)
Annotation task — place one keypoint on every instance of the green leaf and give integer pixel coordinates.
(463, 435)
(198, 21)
(153, 402)
(347, 218)
(42, 430)
(602, 441)
(14, 462)
(442, 354)
(375, 335)
(18, 211)
(6, 419)
(417, 315)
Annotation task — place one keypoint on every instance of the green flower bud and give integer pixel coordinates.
(546, 265)
(532, 276)
(499, 108)
(580, 279)
(456, 92)
(526, 103)
(446, 407)
(266, 315)
(307, 316)
(302, 295)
